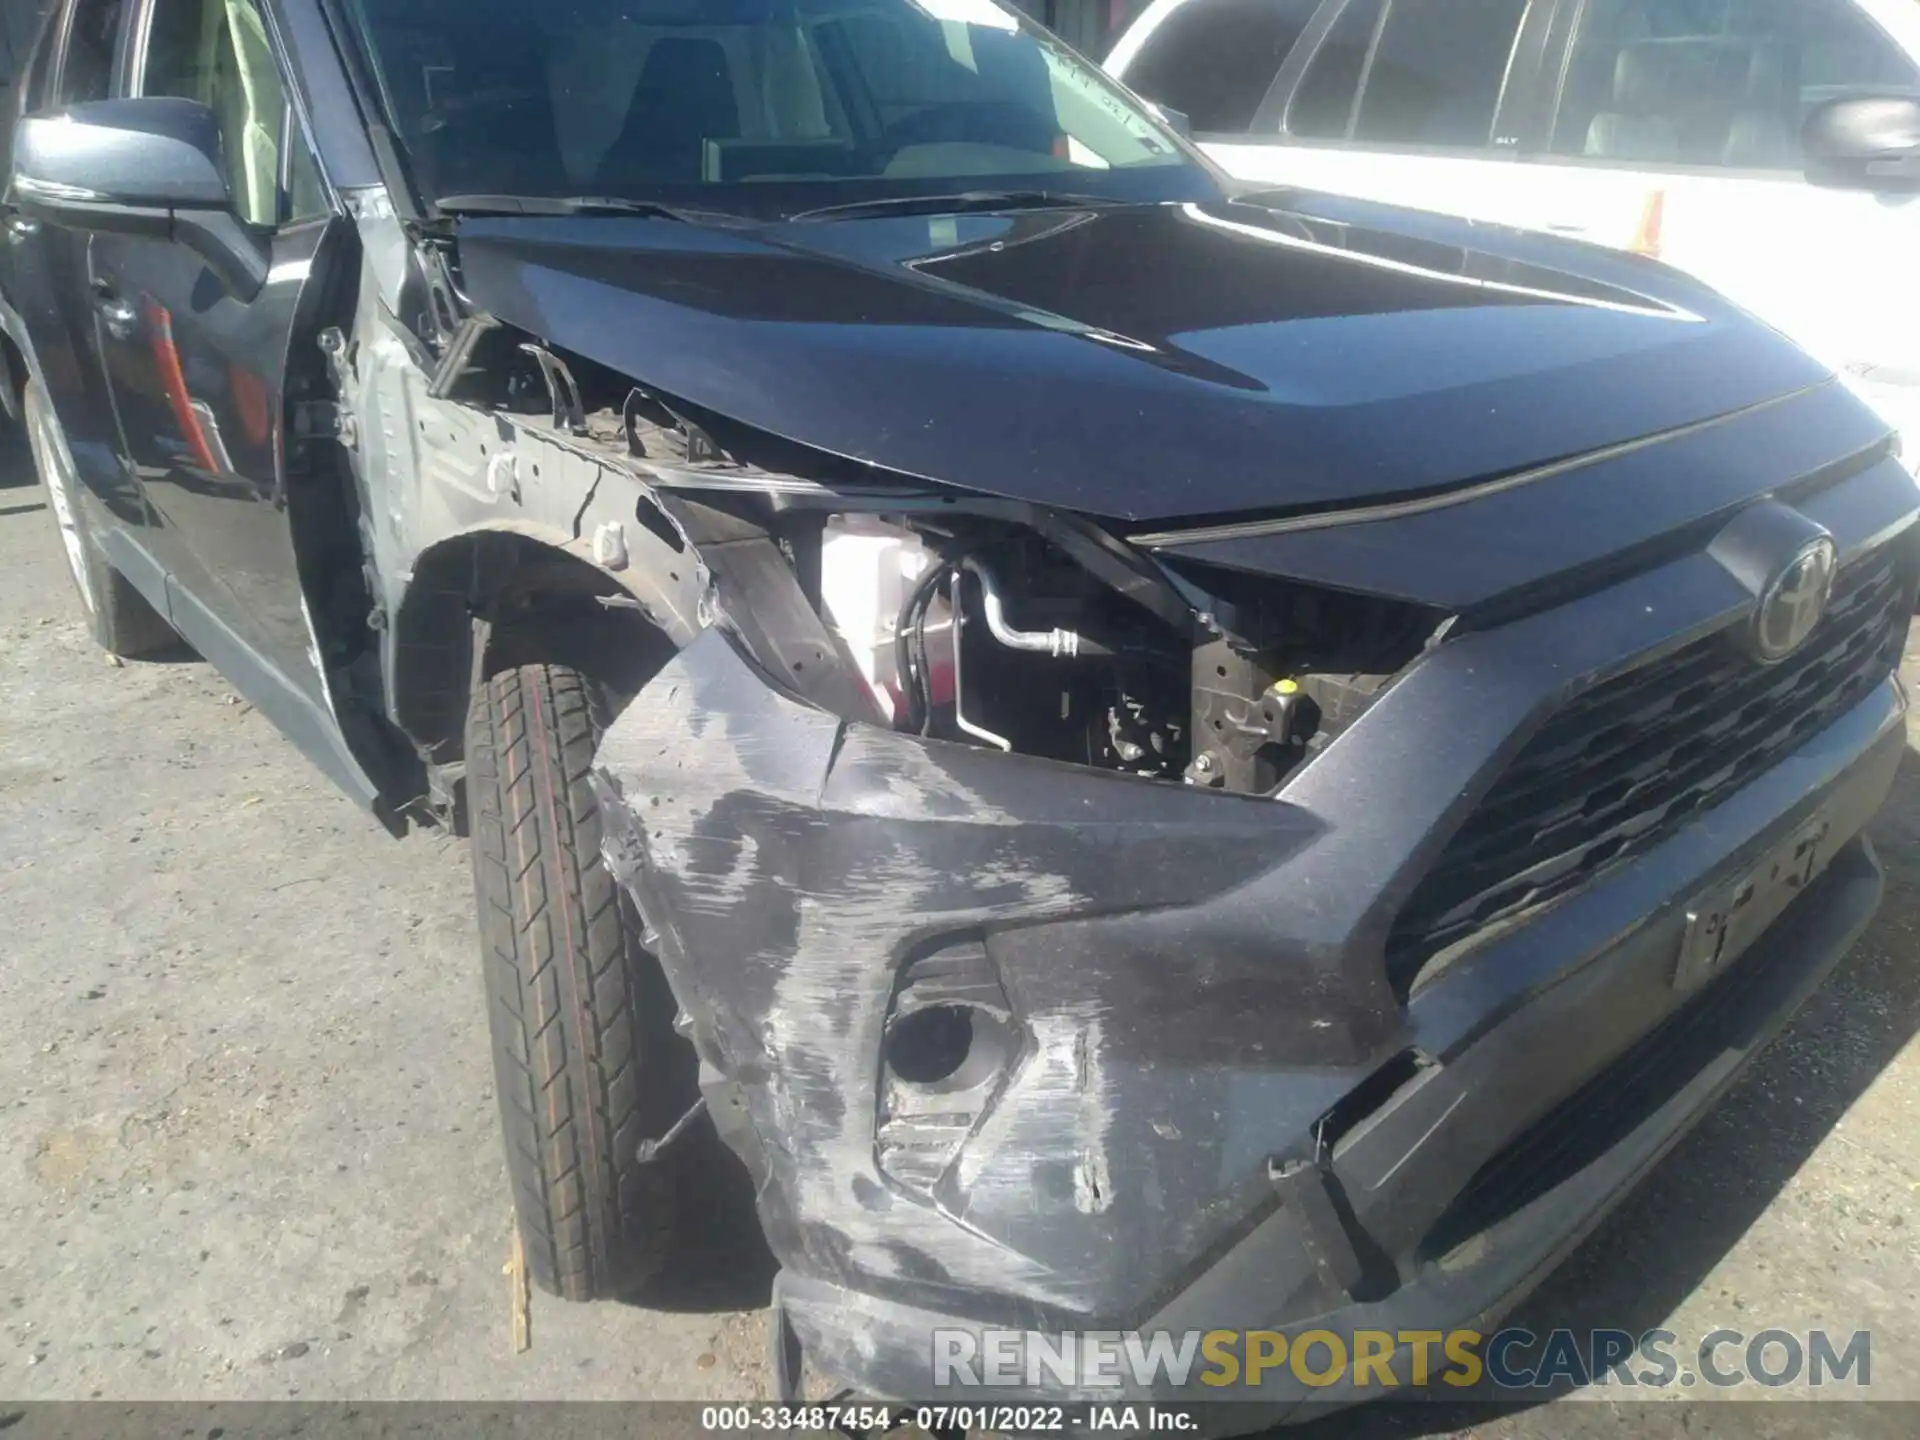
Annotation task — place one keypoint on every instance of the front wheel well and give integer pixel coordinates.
(483, 603)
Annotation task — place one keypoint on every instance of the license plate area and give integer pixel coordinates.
(1731, 916)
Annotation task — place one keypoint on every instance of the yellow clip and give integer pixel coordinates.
(1283, 687)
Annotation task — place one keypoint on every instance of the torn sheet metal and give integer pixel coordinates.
(434, 473)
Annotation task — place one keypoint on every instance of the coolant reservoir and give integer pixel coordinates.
(868, 568)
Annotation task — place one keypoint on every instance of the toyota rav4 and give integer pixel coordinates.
(1150, 756)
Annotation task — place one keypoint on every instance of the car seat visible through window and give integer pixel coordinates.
(1705, 100)
(684, 98)
(1636, 127)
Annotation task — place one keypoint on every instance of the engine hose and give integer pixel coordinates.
(1060, 644)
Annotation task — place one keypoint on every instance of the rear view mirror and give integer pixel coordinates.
(139, 167)
(1864, 143)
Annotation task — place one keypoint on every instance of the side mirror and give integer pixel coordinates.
(139, 167)
(1864, 143)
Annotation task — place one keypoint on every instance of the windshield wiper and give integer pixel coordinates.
(580, 205)
(966, 200)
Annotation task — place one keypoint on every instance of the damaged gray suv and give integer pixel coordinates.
(1147, 756)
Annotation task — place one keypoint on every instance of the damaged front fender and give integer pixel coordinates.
(979, 1022)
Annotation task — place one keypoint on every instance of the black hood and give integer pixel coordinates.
(1150, 363)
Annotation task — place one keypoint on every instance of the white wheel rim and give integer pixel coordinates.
(56, 469)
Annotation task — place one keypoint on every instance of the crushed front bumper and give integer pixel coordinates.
(1193, 1100)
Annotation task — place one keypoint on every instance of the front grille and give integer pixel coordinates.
(1623, 766)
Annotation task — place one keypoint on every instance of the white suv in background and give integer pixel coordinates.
(1770, 147)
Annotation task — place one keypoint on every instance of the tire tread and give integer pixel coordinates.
(573, 1042)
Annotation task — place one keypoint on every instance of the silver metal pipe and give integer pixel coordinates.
(1061, 644)
(959, 708)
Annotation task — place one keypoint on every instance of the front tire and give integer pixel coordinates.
(122, 621)
(586, 1060)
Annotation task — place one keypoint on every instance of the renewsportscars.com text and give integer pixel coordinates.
(1510, 1359)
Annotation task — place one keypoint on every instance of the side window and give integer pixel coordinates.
(36, 84)
(1322, 108)
(86, 62)
(1411, 72)
(1716, 82)
(217, 52)
(1215, 59)
(1439, 69)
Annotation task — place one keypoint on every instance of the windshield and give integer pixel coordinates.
(761, 106)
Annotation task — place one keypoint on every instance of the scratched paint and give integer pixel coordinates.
(794, 865)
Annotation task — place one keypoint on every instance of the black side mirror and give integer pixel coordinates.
(139, 167)
(1864, 143)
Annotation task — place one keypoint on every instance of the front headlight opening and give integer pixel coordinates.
(988, 633)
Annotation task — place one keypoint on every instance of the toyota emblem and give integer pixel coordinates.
(1794, 601)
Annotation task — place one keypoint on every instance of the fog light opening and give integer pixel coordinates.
(946, 1047)
(930, 1045)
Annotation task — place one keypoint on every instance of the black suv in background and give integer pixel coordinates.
(1150, 756)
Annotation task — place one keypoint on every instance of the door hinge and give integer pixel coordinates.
(324, 420)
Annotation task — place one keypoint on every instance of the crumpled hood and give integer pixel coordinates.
(1148, 363)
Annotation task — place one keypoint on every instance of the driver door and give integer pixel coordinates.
(198, 376)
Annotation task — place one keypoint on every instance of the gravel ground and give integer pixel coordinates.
(249, 1149)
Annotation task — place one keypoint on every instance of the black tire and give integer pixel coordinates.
(586, 1059)
(122, 621)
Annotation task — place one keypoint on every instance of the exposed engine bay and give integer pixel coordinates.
(982, 622)
(990, 635)
(999, 640)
